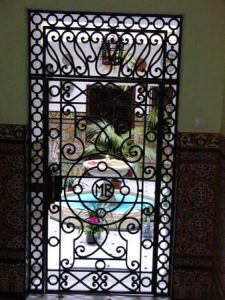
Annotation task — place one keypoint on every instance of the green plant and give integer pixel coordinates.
(153, 117)
(93, 226)
(129, 59)
(70, 182)
(96, 218)
(93, 219)
(104, 140)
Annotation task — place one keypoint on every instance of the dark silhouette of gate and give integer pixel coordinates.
(102, 152)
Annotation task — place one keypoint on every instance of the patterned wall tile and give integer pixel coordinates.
(192, 284)
(196, 197)
(11, 277)
(11, 132)
(219, 223)
(195, 205)
(12, 207)
(198, 140)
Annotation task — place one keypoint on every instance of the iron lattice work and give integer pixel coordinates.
(103, 103)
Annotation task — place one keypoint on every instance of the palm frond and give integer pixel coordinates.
(103, 138)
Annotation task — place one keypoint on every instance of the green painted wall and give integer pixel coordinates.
(202, 70)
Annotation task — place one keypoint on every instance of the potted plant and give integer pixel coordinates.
(92, 230)
(70, 183)
(116, 183)
(93, 218)
(96, 220)
(134, 63)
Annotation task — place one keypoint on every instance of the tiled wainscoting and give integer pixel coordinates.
(199, 258)
(12, 209)
(219, 226)
(196, 199)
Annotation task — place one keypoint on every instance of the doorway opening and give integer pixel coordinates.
(103, 113)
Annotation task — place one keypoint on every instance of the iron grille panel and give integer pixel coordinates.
(103, 106)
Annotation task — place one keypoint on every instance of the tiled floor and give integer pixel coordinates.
(114, 239)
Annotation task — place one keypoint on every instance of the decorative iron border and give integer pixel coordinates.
(42, 24)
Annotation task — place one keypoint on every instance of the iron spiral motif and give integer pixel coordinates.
(103, 105)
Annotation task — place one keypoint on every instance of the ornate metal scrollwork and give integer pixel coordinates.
(103, 104)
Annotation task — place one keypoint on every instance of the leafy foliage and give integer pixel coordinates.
(104, 140)
(93, 226)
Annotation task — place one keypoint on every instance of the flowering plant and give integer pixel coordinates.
(93, 226)
(94, 218)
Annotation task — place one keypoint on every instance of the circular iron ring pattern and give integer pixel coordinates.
(152, 31)
(102, 193)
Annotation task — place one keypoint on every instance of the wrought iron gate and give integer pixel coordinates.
(103, 104)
